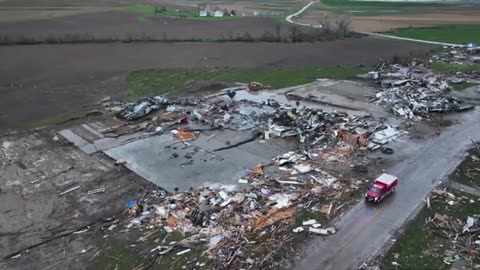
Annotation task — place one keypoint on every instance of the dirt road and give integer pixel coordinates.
(367, 228)
(304, 8)
(289, 17)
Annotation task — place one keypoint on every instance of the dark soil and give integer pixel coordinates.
(38, 82)
(33, 209)
(123, 24)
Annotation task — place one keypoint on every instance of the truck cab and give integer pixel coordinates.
(381, 188)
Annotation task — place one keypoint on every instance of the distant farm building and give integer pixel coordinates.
(218, 13)
(205, 10)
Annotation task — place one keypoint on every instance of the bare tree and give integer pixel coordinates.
(326, 24)
(344, 26)
(278, 32)
(293, 34)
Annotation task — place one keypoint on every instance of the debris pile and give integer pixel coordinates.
(137, 110)
(469, 55)
(232, 224)
(462, 233)
(314, 128)
(323, 130)
(414, 92)
(237, 225)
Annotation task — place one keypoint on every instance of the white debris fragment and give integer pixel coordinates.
(242, 181)
(282, 200)
(298, 229)
(160, 210)
(303, 168)
(469, 224)
(289, 157)
(69, 190)
(183, 252)
(324, 178)
(223, 195)
(94, 191)
(386, 135)
(327, 231)
(309, 222)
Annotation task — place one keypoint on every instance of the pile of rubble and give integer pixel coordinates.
(235, 224)
(464, 235)
(232, 224)
(314, 128)
(414, 92)
(469, 55)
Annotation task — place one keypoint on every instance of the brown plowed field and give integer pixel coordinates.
(387, 23)
(462, 15)
(41, 81)
(122, 24)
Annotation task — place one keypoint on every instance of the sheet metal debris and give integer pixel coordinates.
(415, 91)
(137, 110)
(469, 55)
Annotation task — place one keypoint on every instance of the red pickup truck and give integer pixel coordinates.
(381, 188)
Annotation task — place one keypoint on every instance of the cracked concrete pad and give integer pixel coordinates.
(170, 164)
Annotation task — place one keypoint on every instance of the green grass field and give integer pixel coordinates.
(467, 172)
(374, 8)
(453, 68)
(172, 81)
(449, 34)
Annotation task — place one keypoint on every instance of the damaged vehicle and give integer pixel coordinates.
(383, 186)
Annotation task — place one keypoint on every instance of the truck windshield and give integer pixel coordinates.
(376, 189)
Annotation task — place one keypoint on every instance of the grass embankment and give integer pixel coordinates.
(462, 86)
(453, 68)
(172, 81)
(449, 34)
(417, 247)
(375, 8)
(124, 257)
(468, 172)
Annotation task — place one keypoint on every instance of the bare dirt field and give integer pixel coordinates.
(36, 207)
(12, 15)
(41, 81)
(24, 10)
(387, 23)
(429, 17)
(122, 24)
